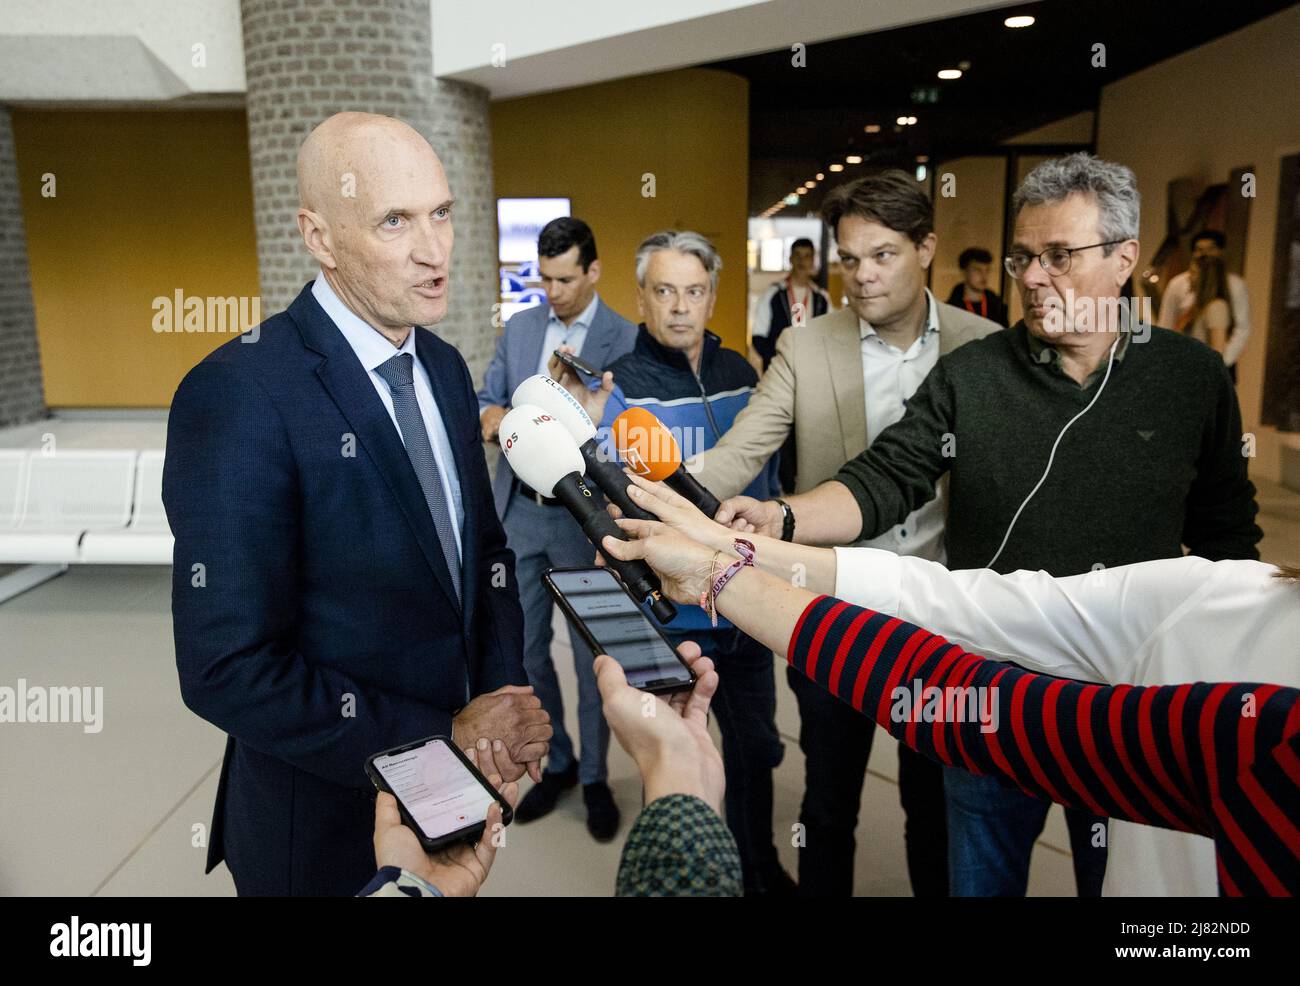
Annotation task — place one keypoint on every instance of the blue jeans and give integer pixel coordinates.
(991, 834)
(745, 704)
(541, 538)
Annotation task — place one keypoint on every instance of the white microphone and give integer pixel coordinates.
(551, 397)
(542, 453)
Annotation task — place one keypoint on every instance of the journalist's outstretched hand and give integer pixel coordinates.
(814, 566)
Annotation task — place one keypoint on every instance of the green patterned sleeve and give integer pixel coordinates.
(679, 847)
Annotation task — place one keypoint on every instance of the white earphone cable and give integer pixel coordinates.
(1110, 362)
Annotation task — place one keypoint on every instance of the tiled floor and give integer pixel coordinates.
(125, 811)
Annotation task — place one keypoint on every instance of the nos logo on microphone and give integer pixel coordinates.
(514, 435)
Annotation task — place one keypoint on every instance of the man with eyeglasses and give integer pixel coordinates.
(1151, 463)
(681, 373)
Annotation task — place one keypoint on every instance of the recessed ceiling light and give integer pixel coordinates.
(810, 184)
(820, 176)
(837, 167)
(801, 191)
(901, 121)
(872, 128)
(911, 121)
(950, 73)
(1020, 20)
(853, 159)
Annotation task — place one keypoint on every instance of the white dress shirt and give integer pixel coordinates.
(558, 334)
(890, 376)
(373, 349)
(1165, 622)
(1179, 297)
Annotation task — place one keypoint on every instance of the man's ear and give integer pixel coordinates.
(1127, 252)
(640, 303)
(593, 271)
(926, 250)
(316, 235)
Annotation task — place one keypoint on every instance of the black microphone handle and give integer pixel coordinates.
(613, 481)
(640, 580)
(688, 486)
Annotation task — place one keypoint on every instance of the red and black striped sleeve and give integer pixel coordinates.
(1219, 760)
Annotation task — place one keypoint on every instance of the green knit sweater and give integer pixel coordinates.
(1157, 463)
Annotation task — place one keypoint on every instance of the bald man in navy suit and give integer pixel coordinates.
(341, 582)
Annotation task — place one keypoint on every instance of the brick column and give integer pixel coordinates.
(307, 59)
(22, 392)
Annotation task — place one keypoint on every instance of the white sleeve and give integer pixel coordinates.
(1086, 626)
(1171, 305)
(763, 313)
(1240, 317)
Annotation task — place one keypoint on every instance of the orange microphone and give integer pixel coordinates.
(650, 450)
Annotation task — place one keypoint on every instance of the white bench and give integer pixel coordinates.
(79, 507)
(146, 539)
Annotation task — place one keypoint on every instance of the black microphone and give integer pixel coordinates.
(650, 450)
(552, 398)
(542, 454)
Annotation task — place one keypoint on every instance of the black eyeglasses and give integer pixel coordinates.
(1054, 260)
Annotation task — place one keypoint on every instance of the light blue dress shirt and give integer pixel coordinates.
(372, 350)
(558, 334)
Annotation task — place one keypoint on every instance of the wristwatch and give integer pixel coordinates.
(787, 521)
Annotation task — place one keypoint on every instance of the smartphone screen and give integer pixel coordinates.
(440, 795)
(623, 631)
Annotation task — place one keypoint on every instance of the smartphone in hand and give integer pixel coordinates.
(442, 797)
(600, 610)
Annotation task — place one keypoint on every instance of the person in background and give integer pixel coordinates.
(1180, 296)
(791, 302)
(1209, 319)
(1153, 466)
(539, 530)
(680, 372)
(679, 845)
(974, 293)
(838, 384)
(794, 300)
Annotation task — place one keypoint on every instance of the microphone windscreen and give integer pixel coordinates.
(552, 398)
(539, 449)
(648, 448)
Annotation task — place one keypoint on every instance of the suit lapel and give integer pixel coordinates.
(531, 347)
(446, 384)
(844, 363)
(348, 384)
(595, 348)
(950, 335)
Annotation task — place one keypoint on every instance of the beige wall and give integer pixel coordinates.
(971, 217)
(690, 129)
(1229, 103)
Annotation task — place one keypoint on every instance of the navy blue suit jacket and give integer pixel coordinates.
(314, 616)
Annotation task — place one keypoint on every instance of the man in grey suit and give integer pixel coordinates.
(539, 530)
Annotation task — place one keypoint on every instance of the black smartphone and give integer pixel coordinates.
(611, 622)
(442, 797)
(578, 365)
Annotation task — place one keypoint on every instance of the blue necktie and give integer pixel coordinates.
(398, 372)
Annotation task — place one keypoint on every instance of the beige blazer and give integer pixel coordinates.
(813, 384)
